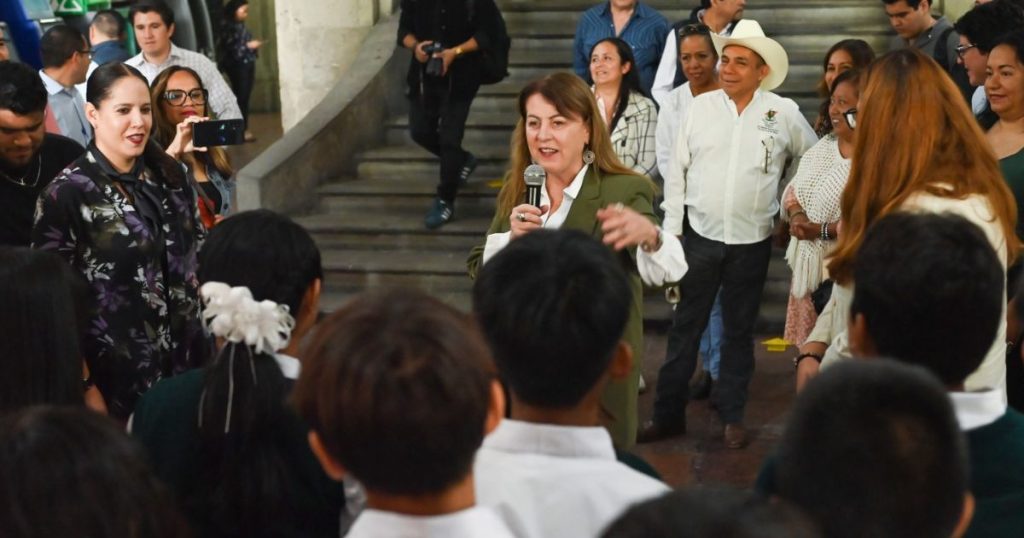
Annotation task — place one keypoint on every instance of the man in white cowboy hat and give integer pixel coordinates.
(723, 183)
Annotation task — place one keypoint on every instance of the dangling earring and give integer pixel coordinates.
(588, 155)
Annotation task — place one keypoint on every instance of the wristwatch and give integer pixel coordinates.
(646, 246)
(802, 356)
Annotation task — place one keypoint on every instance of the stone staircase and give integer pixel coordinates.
(370, 229)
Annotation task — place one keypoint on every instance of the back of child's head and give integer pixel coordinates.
(68, 471)
(553, 306)
(397, 386)
(712, 513)
(872, 448)
(931, 290)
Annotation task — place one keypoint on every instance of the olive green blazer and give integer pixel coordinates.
(599, 191)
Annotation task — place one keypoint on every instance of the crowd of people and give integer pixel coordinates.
(171, 373)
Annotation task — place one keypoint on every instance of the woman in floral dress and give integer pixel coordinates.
(120, 215)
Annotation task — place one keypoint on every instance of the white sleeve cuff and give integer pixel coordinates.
(663, 266)
(495, 242)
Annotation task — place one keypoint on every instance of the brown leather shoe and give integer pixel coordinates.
(652, 431)
(735, 436)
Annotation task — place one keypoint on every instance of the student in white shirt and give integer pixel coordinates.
(153, 22)
(556, 331)
(399, 389)
(724, 182)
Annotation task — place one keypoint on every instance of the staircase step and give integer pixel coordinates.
(510, 6)
(401, 222)
(780, 20)
(401, 187)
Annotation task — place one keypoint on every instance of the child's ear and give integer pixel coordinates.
(622, 361)
(330, 466)
(496, 407)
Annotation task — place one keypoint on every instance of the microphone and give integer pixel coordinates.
(534, 177)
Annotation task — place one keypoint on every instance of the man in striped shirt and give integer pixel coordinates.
(153, 21)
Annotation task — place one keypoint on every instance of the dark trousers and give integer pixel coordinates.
(242, 77)
(740, 271)
(437, 121)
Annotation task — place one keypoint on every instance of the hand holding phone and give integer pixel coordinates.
(218, 133)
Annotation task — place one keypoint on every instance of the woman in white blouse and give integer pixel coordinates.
(811, 205)
(699, 61)
(630, 115)
(588, 189)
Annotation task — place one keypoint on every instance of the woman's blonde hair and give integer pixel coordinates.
(573, 99)
(164, 130)
(915, 134)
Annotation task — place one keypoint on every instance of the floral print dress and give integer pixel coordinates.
(145, 325)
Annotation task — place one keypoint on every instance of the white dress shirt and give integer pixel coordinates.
(726, 169)
(222, 100)
(474, 522)
(546, 480)
(666, 265)
(670, 122)
(979, 100)
(978, 409)
(68, 106)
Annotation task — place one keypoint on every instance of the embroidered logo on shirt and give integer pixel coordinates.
(770, 122)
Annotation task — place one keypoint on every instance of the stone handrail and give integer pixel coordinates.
(323, 145)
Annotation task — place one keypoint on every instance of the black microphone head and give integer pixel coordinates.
(534, 175)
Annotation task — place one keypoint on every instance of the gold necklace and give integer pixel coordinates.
(21, 181)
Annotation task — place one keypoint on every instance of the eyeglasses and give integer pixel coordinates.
(962, 49)
(851, 118)
(177, 97)
(695, 29)
(87, 52)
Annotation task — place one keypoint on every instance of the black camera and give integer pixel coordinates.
(435, 66)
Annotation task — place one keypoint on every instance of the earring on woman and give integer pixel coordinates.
(588, 155)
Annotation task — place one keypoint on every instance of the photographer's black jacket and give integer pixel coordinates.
(448, 22)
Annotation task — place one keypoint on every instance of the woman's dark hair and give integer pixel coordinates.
(862, 55)
(630, 81)
(72, 472)
(42, 318)
(231, 7)
(699, 30)
(245, 470)
(103, 79)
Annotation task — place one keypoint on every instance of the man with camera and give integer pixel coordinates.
(444, 76)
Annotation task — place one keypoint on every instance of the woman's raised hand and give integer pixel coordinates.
(182, 142)
(623, 227)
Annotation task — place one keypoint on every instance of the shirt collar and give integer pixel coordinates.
(977, 409)
(469, 523)
(290, 366)
(573, 190)
(638, 9)
(140, 58)
(551, 440)
(52, 86)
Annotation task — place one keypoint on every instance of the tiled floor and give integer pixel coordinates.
(700, 457)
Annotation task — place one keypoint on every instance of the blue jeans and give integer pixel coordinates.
(711, 340)
(739, 272)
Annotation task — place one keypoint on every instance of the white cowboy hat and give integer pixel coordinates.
(748, 33)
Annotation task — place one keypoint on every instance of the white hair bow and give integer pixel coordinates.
(231, 313)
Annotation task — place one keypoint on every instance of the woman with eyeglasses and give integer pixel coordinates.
(811, 206)
(180, 100)
(630, 115)
(843, 56)
(124, 217)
